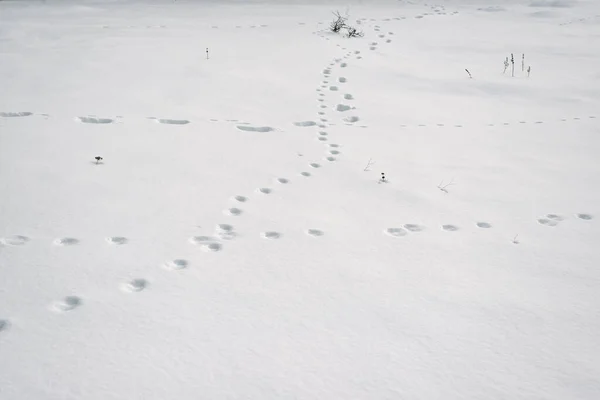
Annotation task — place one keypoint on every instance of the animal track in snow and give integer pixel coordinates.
(68, 303)
(306, 123)
(450, 228)
(351, 119)
(315, 165)
(341, 79)
(396, 232)
(176, 264)
(117, 240)
(225, 231)
(247, 128)
(333, 88)
(413, 227)
(314, 232)
(484, 225)
(271, 235)
(306, 174)
(282, 180)
(167, 121)
(199, 240)
(264, 190)
(322, 138)
(342, 107)
(343, 65)
(334, 152)
(550, 220)
(211, 247)
(4, 324)
(241, 199)
(586, 217)
(67, 241)
(16, 240)
(372, 48)
(95, 120)
(330, 158)
(233, 211)
(323, 133)
(9, 114)
(135, 285)
(348, 96)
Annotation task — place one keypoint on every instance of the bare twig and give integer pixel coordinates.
(515, 241)
(339, 23)
(369, 164)
(470, 76)
(443, 187)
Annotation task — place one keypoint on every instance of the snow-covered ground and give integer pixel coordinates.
(231, 245)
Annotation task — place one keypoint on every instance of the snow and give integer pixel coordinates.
(231, 244)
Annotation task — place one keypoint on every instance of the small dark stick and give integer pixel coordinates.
(512, 61)
(98, 159)
(207, 53)
(470, 76)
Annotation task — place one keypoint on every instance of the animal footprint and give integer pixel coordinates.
(241, 199)
(282, 180)
(233, 211)
(315, 165)
(484, 225)
(66, 241)
(330, 158)
(5, 114)
(342, 107)
(265, 190)
(95, 120)
(550, 220)
(211, 247)
(135, 285)
(68, 303)
(413, 227)
(348, 96)
(17, 240)
(333, 88)
(343, 65)
(314, 232)
(255, 128)
(450, 228)
(168, 121)
(586, 217)
(271, 235)
(177, 264)
(396, 232)
(225, 231)
(306, 174)
(117, 240)
(4, 324)
(341, 79)
(352, 119)
(305, 124)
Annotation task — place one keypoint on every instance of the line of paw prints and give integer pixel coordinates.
(325, 86)
(225, 232)
(579, 20)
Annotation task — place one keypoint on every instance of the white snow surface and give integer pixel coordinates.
(230, 243)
